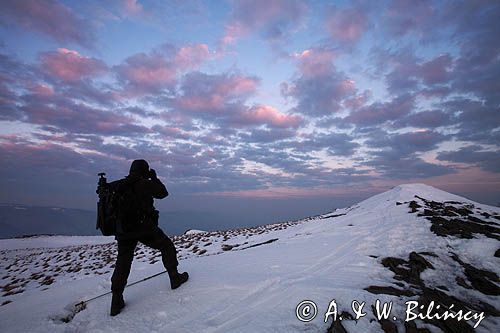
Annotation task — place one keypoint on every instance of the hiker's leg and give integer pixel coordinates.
(159, 241)
(123, 263)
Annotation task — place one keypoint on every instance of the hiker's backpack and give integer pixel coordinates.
(118, 209)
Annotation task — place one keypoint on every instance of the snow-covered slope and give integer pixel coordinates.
(412, 243)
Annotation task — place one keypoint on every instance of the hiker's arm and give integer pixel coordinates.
(157, 189)
(152, 187)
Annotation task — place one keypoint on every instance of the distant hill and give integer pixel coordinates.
(17, 220)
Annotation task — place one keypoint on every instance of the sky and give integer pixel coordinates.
(261, 109)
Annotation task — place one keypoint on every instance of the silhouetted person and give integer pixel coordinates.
(146, 186)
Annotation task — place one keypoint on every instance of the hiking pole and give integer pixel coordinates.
(80, 306)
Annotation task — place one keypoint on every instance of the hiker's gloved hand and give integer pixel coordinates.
(152, 174)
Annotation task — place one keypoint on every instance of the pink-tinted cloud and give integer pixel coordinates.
(211, 93)
(274, 19)
(42, 90)
(70, 66)
(314, 62)
(132, 7)
(437, 70)
(221, 98)
(265, 114)
(47, 17)
(211, 103)
(192, 56)
(233, 31)
(148, 73)
(347, 25)
(359, 100)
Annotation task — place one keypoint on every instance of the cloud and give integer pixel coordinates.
(407, 143)
(398, 155)
(477, 121)
(425, 119)
(294, 169)
(144, 73)
(379, 112)
(488, 160)
(50, 18)
(430, 75)
(267, 135)
(133, 7)
(336, 144)
(406, 16)
(273, 19)
(214, 94)
(264, 114)
(395, 166)
(347, 26)
(191, 56)
(476, 25)
(437, 70)
(69, 176)
(170, 132)
(42, 90)
(318, 88)
(70, 66)
(470, 25)
(404, 72)
(222, 99)
(150, 73)
(72, 117)
(315, 62)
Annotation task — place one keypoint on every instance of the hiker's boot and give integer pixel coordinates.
(117, 304)
(176, 278)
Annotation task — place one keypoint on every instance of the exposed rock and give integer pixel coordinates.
(413, 205)
(332, 215)
(480, 279)
(458, 228)
(440, 298)
(6, 302)
(411, 327)
(336, 326)
(227, 247)
(461, 282)
(389, 291)
(427, 212)
(410, 270)
(386, 325)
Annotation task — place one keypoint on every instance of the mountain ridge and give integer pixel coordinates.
(397, 246)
